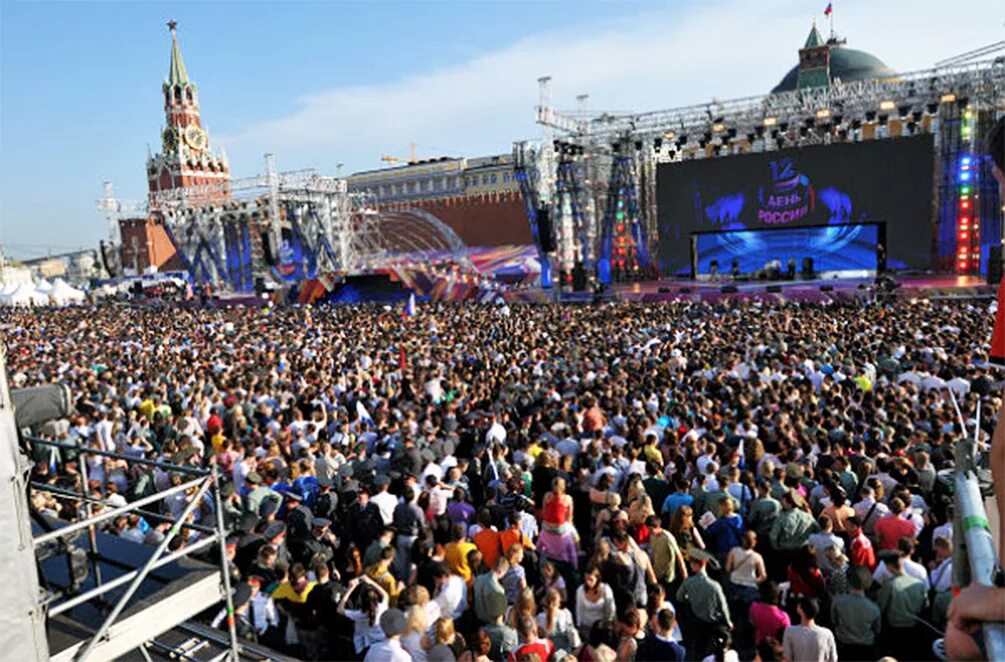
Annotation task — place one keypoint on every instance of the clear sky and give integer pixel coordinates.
(323, 83)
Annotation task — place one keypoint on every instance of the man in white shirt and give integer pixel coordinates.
(394, 624)
(911, 567)
(496, 433)
(386, 502)
(453, 592)
(808, 641)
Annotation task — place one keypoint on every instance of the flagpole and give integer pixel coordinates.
(830, 17)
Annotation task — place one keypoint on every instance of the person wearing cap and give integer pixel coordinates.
(241, 597)
(792, 528)
(320, 544)
(393, 624)
(298, 516)
(366, 520)
(705, 601)
(856, 619)
(259, 494)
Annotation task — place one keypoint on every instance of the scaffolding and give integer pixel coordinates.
(118, 634)
(914, 102)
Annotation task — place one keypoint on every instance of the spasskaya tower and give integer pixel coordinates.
(186, 160)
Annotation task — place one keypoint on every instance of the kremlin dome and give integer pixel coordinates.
(845, 64)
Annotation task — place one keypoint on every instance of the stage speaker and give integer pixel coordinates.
(544, 230)
(728, 289)
(268, 252)
(137, 288)
(664, 290)
(774, 289)
(685, 290)
(995, 265)
(807, 272)
(826, 288)
(259, 285)
(578, 277)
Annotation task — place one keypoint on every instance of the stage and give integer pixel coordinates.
(817, 290)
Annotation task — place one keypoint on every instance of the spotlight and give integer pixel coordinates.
(887, 105)
(823, 112)
(770, 121)
(948, 97)
(718, 126)
(670, 135)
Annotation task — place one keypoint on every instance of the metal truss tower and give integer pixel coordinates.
(914, 102)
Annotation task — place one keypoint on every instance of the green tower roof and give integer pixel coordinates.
(177, 74)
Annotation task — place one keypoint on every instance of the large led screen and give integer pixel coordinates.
(887, 181)
(834, 248)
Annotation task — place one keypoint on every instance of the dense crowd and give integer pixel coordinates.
(619, 481)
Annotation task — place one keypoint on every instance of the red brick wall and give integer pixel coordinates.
(492, 219)
(152, 242)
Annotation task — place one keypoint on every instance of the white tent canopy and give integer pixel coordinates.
(25, 295)
(64, 293)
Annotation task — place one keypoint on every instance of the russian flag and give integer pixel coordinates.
(829, 10)
(410, 306)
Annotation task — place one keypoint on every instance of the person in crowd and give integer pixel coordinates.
(856, 619)
(768, 619)
(594, 601)
(902, 599)
(809, 641)
(705, 600)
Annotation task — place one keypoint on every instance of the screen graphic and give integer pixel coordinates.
(888, 181)
(849, 247)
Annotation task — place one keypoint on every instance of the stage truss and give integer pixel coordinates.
(591, 169)
(235, 235)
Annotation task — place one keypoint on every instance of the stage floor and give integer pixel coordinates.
(837, 289)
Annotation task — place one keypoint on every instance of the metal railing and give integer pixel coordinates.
(203, 481)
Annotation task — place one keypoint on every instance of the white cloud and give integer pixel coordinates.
(654, 60)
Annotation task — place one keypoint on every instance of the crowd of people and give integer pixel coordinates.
(680, 481)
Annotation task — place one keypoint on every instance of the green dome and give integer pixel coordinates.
(846, 64)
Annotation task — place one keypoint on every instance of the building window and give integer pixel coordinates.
(493, 178)
(485, 180)
(411, 187)
(505, 178)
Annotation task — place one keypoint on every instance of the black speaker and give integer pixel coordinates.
(995, 270)
(807, 272)
(137, 288)
(685, 290)
(826, 288)
(664, 290)
(578, 277)
(544, 230)
(774, 288)
(267, 250)
(728, 289)
(259, 285)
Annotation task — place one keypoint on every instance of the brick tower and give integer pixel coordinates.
(186, 160)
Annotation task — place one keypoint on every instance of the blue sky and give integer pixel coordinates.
(323, 83)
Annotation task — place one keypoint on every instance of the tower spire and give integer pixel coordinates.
(177, 74)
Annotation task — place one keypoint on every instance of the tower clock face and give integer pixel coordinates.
(195, 138)
(170, 139)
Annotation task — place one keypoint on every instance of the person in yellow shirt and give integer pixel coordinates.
(146, 408)
(456, 554)
(380, 572)
(295, 588)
